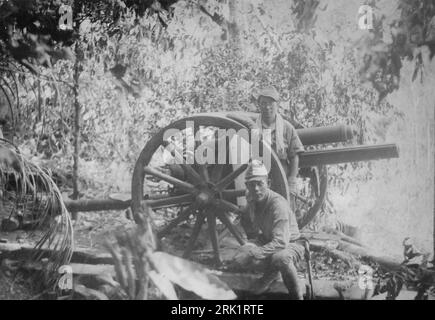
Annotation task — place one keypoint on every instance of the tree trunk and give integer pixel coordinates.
(38, 117)
(77, 108)
(233, 29)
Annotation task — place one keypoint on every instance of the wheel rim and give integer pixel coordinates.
(209, 196)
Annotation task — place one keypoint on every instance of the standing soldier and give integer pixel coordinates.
(284, 138)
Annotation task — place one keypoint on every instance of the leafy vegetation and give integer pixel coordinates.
(32, 199)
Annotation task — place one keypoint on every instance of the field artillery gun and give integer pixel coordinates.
(194, 193)
(190, 195)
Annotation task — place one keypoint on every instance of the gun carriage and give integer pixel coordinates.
(191, 194)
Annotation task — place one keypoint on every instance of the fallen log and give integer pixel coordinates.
(333, 247)
(96, 205)
(319, 236)
(16, 251)
(348, 258)
(78, 269)
(332, 241)
(343, 236)
(92, 269)
(331, 235)
(384, 262)
(86, 205)
(323, 289)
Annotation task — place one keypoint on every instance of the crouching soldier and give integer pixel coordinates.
(271, 225)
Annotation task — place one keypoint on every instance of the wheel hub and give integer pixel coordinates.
(206, 195)
(203, 198)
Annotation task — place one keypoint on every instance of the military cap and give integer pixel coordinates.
(256, 171)
(268, 92)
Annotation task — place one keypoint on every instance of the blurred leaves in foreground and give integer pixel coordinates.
(136, 262)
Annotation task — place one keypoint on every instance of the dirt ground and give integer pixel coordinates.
(92, 229)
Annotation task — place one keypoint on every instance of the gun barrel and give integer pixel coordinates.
(329, 134)
(348, 154)
(308, 136)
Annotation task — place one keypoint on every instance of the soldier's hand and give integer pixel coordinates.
(242, 256)
(256, 252)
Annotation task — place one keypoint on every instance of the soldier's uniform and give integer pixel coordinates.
(272, 226)
(284, 140)
(292, 144)
(274, 249)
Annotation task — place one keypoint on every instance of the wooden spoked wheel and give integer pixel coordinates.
(311, 195)
(196, 194)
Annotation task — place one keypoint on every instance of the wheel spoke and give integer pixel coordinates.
(180, 218)
(192, 173)
(169, 201)
(231, 193)
(228, 206)
(204, 173)
(316, 183)
(227, 222)
(211, 221)
(231, 177)
(187, 168)
(195, 233)
(216, 172)
(176, 182)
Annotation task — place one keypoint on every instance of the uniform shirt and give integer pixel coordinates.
(291, 140)
(273, 223)
(292, 143)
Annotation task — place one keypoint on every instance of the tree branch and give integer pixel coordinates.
(39, 76)
(271, 35)
(218, 19)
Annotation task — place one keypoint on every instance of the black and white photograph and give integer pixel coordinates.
(225, 150)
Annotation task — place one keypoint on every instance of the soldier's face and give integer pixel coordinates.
(258, 189)
(268, 108)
